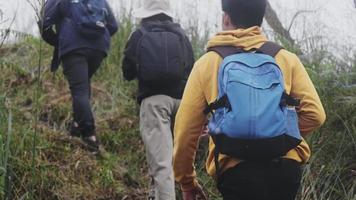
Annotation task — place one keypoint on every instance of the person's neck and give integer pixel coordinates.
(229, 28)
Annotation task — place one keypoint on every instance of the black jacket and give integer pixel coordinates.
(129, 67)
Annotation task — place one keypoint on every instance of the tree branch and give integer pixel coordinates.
(7, 31)
(35, 8)
(273, 20)
(275, 23)
(296, 16)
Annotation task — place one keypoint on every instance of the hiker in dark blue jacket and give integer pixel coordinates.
(81, 43)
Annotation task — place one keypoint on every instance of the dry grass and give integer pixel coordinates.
(65, 170)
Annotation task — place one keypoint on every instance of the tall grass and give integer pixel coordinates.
(63, 170)
(329, 174)
(5, 153)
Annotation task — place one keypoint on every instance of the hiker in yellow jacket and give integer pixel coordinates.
(278, 179)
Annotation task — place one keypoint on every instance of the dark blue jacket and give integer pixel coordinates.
(58, 29)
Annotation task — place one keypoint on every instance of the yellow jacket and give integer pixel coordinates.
(201, 90)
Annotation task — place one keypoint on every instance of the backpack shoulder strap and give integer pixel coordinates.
(270, 48)
(143, 30)
(175, 28)
(225, 51)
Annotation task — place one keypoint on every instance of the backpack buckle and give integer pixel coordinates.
(222, 102)
(288, 100)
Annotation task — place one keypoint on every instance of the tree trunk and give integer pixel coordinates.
(274, 22)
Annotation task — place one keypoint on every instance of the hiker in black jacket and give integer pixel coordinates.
(129, 65)
(81, 42)
(160, 56)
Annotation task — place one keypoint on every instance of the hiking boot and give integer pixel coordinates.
(92, 144)
(152, 193)
(74, 130)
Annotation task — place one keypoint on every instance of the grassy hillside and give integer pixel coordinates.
(39, 161)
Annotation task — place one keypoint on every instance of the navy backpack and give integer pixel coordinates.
(254, 118)
(161, 54)
(89, 17)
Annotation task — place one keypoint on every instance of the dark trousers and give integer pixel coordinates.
(78, 67)
(273, 180)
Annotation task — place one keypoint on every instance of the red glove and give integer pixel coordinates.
(196, 194)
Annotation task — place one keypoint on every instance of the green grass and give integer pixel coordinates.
(330, 175)
(64, 170)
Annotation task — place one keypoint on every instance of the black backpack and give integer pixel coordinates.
(160, 54)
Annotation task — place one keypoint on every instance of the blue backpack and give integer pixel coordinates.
(89, 17)
(254, 118)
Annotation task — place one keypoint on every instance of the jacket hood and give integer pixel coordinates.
(246, 38)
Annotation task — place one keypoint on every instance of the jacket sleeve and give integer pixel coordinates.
(112, 24)
(129, 62)
(51, 17)
(311, 114)
(187, 130)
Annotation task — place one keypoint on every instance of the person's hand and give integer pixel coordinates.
(205, 130)
(196, 194)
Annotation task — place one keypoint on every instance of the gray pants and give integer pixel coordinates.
(157, 115)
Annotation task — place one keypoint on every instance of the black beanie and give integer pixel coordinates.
(245, 13)
(225, 5)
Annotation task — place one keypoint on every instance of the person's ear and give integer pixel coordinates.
(226, 21)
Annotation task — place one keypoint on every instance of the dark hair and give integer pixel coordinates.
(159, 17)
(245, 13)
